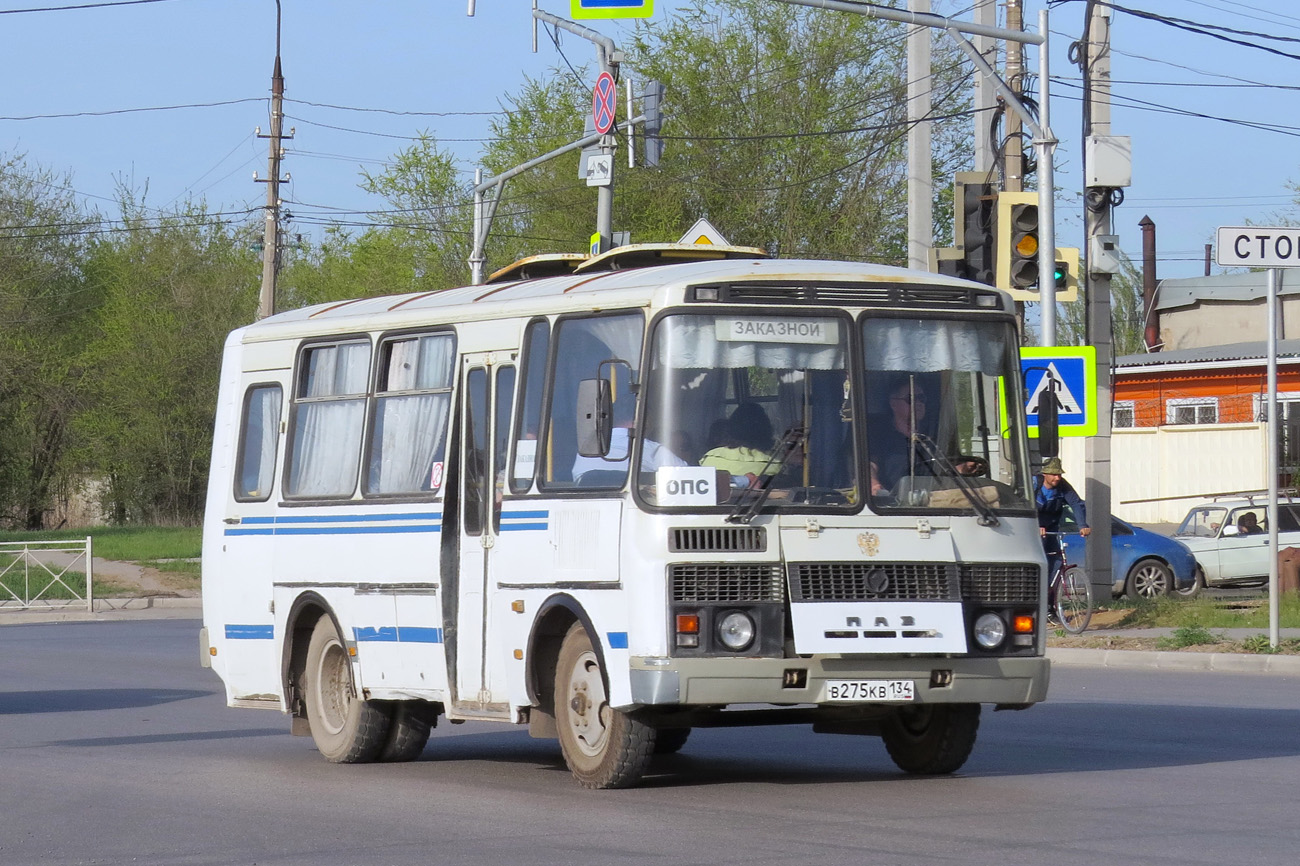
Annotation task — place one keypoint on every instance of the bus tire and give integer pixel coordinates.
(347, 730)
(931, 739)
(603, 747)
(408, 732)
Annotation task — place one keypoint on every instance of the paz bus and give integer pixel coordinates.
(618, 498)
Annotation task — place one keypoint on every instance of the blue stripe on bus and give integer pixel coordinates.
(617, 639)
(397, 634)
(328, 524)
(523, 527)
(250, 632)
(412, 634)
(506, 515)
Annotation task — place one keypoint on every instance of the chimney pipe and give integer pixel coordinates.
(1150, 318)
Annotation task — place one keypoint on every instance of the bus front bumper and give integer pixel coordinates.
(719, 681)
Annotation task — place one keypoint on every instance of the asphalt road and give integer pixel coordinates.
(117, 748)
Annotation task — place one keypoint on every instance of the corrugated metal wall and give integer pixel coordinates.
(1157, 473)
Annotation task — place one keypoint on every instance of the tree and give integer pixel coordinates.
(173, 286)
(44, 306)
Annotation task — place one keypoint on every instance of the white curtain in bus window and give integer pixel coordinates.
(414, 402)
(328, 420)
(928, 346)
(258, 443)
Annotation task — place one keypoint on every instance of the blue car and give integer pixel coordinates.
(1144, 563)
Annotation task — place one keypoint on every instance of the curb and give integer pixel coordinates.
(147, 607)
(1241, 663)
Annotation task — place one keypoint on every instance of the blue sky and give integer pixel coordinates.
(427, 66)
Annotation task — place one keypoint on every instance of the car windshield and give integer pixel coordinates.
(1202, 522)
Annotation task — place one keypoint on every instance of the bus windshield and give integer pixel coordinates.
(768, 402)
(760, 401)
(939, 432)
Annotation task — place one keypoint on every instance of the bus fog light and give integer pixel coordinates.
(990, 630)
(736, 630)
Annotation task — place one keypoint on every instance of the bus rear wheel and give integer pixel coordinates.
(603, 747)
(931, 739)
(347, 730)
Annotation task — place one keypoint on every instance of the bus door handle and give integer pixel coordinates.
(487, 540)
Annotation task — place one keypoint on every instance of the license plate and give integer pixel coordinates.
(870, 690)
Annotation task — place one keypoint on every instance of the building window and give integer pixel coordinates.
(1122, 414)
(1192, 410)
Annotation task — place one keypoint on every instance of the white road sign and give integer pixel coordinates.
(1258, 247)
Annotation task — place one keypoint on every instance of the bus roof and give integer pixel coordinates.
(626, 287)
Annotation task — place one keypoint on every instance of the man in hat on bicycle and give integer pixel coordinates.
(1051, 494)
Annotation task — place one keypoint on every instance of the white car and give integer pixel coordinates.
(1229, 537)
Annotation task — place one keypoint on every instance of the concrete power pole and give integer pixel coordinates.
(986, 14)
(1097, 222)
(920, 178)
(1013, 162)
(271, 240)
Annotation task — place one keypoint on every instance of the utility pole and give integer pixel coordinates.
(920, 179)
(271, 239)
(1013, 155)
(1097, 223)
(985, 14)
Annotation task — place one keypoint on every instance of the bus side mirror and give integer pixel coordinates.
(595, 416)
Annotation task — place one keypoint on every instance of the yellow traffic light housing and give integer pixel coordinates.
(1017, 245)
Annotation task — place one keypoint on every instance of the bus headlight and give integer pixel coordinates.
(736, 630)
(990, 631)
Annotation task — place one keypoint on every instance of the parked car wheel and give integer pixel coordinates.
(1193, 589)
(1150, 578)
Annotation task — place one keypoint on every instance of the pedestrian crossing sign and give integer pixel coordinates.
(1070, 374)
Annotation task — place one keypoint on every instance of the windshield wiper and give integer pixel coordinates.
(987, 515)
(752, 497)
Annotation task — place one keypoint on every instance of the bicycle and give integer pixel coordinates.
(1069, 594)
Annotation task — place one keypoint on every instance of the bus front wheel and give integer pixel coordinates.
(931, 739)
(603, 747)
(347, 730)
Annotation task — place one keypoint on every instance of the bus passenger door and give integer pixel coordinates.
(488, 389)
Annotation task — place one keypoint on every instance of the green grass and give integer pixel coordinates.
(148, 545)
(1207, 613)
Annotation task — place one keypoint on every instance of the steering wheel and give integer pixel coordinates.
(970, 465)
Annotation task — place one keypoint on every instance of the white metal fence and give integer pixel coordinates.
(32, 571)
(1157, 473)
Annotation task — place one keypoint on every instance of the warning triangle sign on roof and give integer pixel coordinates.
(1068, 403)
(704, 233)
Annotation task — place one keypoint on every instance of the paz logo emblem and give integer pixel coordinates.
(869, 543)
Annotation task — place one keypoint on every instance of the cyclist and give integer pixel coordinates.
(1051, 494)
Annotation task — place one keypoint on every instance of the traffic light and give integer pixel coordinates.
(974, 203)
(652, 98)
(1017, 224)
(1067, 273)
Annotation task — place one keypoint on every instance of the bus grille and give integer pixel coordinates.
(726, 539)
(726, 582)
(859, 581)
(1000, 583)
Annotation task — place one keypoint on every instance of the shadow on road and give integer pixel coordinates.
(90, 700)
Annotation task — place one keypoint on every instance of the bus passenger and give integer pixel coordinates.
(746, 446)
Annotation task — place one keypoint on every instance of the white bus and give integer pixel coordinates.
(424, 505)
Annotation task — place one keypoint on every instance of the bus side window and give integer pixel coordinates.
(504, 397)
(412, 407)
(329, 415)
(582, 345)
(528, 424)
(258, 440)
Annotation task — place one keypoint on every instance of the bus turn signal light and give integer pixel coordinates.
(1023, 624)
